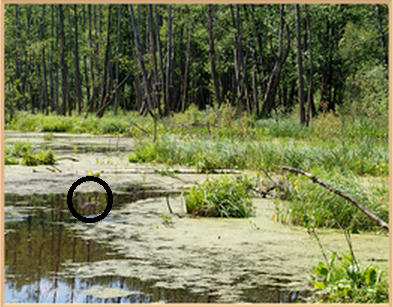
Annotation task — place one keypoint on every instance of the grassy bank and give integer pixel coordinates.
(212, 124)
(360, 158)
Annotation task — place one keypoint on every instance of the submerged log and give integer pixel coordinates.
(315, 179)
(67, 158)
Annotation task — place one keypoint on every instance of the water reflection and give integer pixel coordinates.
(38, 244)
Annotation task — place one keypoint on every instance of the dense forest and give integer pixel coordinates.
(160, 59)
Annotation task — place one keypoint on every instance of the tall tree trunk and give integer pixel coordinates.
(382, 36)
(145, 79)
(62, 62)
(142, 64)
(70, 80)
(260, 65)
(97, 33)
(255, 91)
(237, 85)
(153, 58)
(173, 62)
(18, 69)
(78, 90)
(268, 102)
(331, 105)
(28, 62)
(86, 76)
(105, 78)
(116, 102)
(51, 66)
(168, 62)
(40, 99)
(107, 69)
(45, 83)
(159, 47)
(241, 59)
(211, 55)
(93, 94)
(310, 96)
(300, 68)
(183, 104)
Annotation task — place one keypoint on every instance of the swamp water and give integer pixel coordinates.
(132, 256)
(137, 255)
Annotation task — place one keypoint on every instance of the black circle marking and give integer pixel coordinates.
(108, 206)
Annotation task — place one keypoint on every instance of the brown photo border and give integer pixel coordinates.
(2, 122)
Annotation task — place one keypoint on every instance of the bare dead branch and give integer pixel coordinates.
(315, 179)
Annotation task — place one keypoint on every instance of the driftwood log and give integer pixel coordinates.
(338, 192)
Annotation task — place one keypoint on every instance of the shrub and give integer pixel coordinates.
(220, 197)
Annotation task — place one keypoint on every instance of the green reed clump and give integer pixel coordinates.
(311, 205)
(204, 155)
(22, 152)
(220, 197)
(343, 281)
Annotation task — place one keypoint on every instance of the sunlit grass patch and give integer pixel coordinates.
(22, 152)
(311, 205)
(220, 197)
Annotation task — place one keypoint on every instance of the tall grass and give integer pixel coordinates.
(223, 122)
(361, 158)
(220, 197)
(311, 205)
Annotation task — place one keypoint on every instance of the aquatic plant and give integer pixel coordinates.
(43, 157)
(22, 151)
(341, 280)
(48, 136)
(167, 221)
(224, 196)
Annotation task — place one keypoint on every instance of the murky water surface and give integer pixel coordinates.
(50, 257)
(142, 253)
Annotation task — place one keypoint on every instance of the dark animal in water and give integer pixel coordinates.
(85, 205)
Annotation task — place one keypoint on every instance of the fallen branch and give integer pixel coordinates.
(54, 169)
(67, 158)
(267, 191)
(315, 179)
(136, 125)
(191, 125)
(168, 204)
